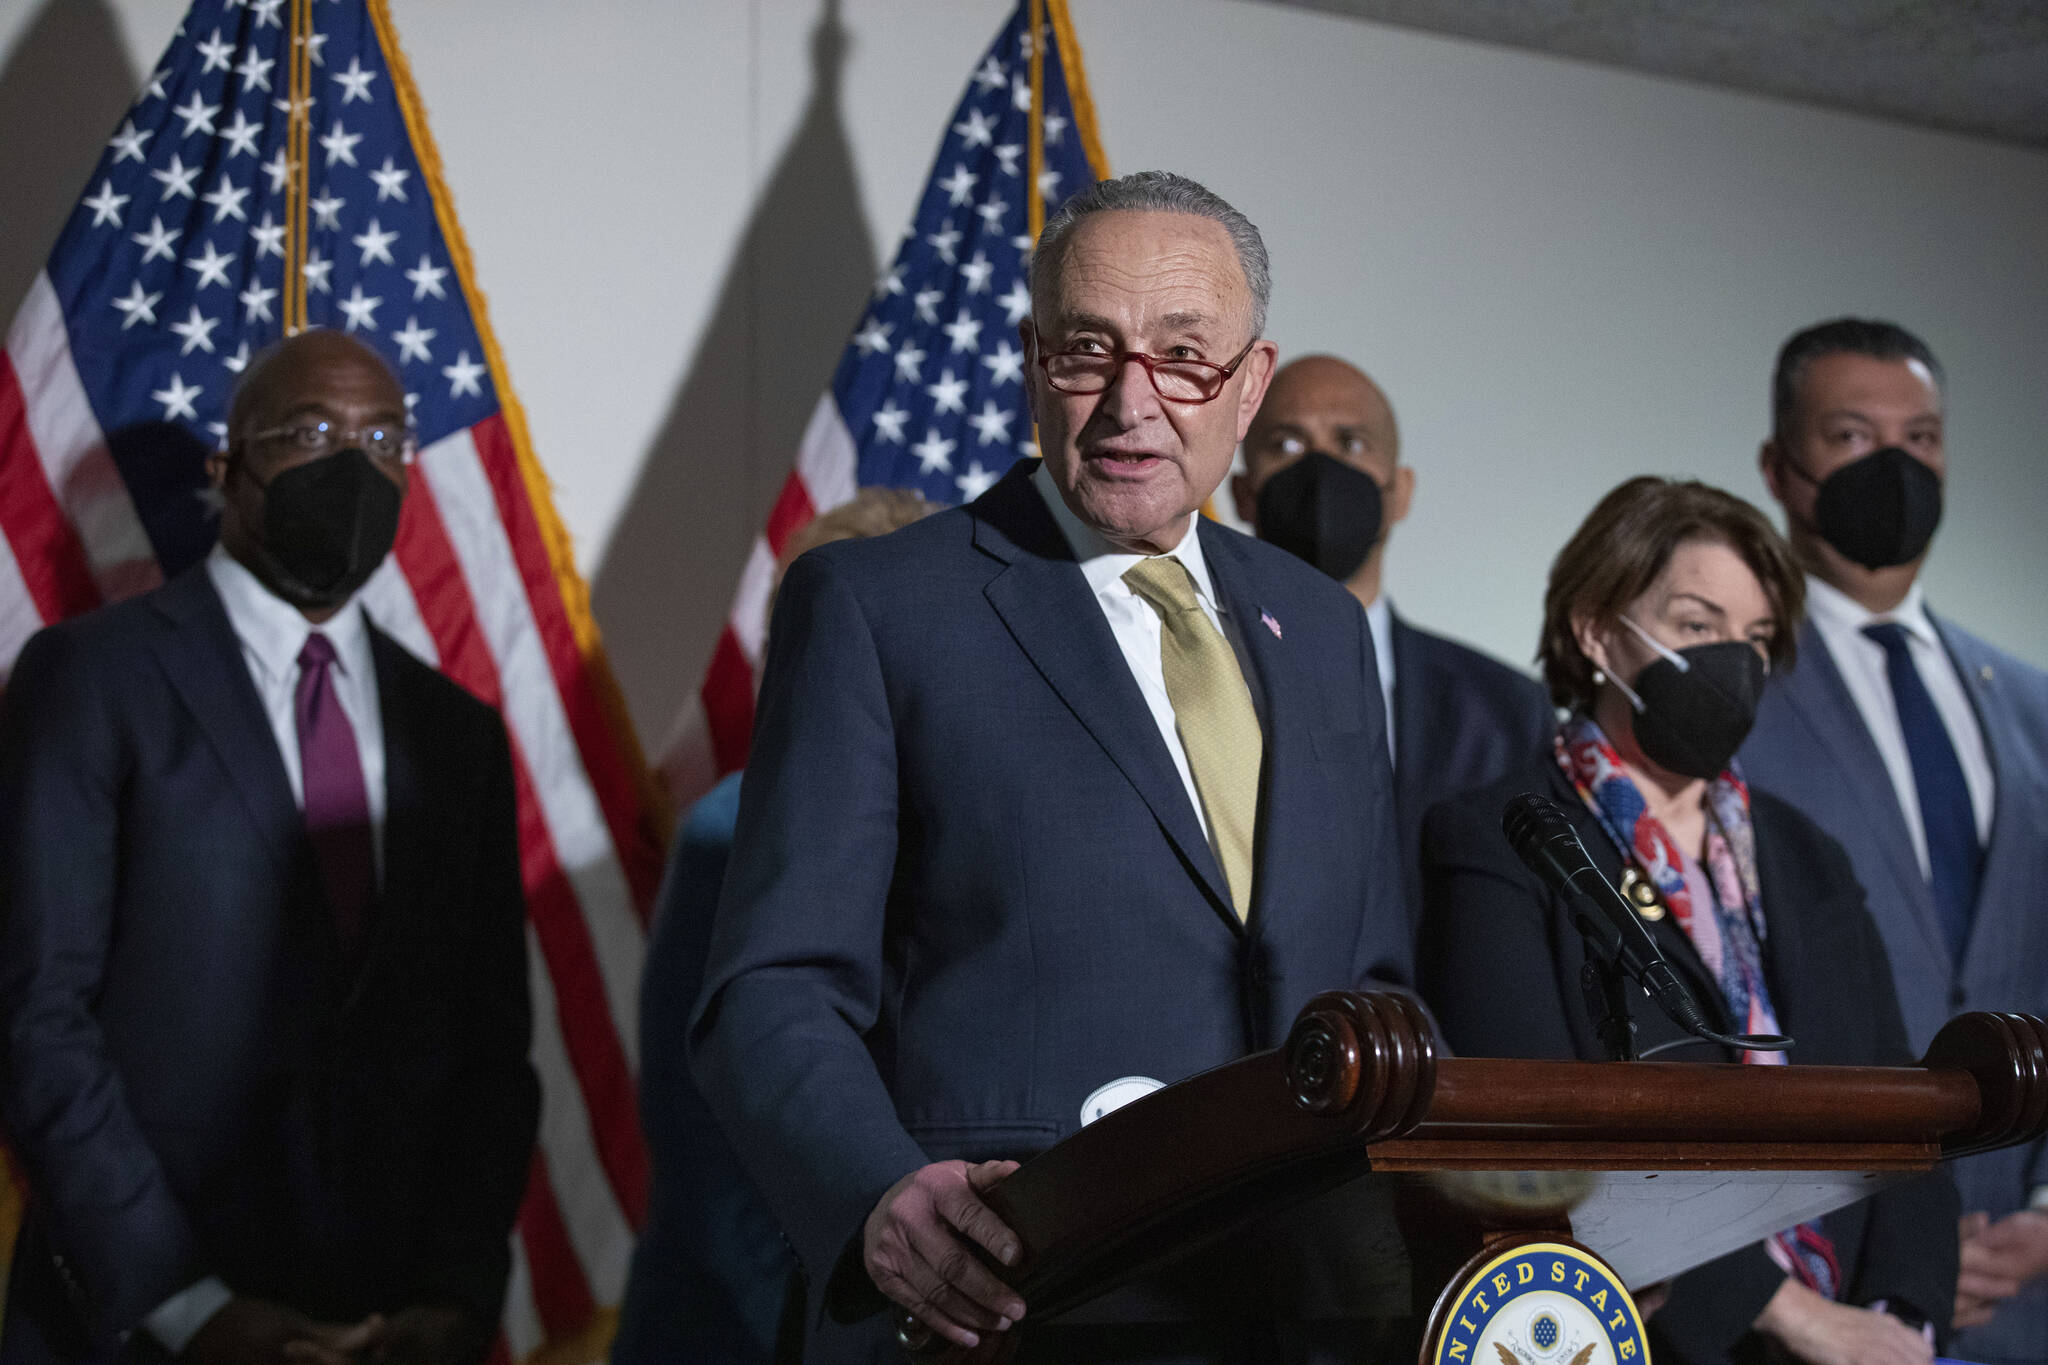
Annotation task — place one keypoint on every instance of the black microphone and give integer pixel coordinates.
(1545, 842)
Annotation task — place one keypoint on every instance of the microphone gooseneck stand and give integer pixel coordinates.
(1618, 947)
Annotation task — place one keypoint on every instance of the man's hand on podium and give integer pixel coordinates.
(1998, 1259)
(914, 1253)
(1824, 1332)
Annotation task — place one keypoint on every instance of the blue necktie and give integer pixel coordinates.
(1954, 858)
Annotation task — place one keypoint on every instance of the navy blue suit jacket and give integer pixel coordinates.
(1461, 719)
(969, 887)
(1811, 747)
(196, 1081)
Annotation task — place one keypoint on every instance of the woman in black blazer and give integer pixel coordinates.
(1662, 617)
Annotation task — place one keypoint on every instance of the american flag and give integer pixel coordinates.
(930, 392)
(276, 172)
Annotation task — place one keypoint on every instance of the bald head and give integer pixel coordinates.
(1323, 404)
(317, 367)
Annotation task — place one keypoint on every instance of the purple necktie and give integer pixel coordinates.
(337, 805)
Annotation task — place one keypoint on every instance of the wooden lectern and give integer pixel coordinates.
(1355, 1174)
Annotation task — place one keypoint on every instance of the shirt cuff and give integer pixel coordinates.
(177, 1320)
(2039, 1198)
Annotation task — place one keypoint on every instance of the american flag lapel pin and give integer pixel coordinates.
(1271, 624)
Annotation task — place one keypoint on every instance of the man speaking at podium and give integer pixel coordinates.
(1067, 787)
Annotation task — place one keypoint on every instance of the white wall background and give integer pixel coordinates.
(1562, 274)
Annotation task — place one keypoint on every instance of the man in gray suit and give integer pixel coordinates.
(1922, 748)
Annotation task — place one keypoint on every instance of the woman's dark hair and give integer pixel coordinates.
(1621, 548)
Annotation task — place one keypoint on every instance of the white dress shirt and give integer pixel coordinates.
(1132, 619)
(1861, 661)
(272, 632)
(1380, 616)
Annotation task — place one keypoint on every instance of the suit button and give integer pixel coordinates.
(1956, 996)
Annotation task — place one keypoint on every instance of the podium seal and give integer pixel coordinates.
(1538, 1303)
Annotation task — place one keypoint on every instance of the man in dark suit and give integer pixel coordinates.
(1920, 747)
(1065, 788)
(1323, 477)
(262, 954)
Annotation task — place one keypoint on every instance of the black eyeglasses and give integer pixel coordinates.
(1179, 381)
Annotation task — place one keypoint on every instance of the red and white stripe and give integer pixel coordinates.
(472, 590)
(710, 737)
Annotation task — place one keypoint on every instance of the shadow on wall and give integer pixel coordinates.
(62, 93)
(796, 285)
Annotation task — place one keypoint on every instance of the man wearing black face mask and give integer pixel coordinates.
(1323, 478)
(262, 952)
(1921, 748)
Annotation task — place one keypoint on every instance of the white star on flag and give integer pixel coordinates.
(376, 243)
(874, 338)
(227, 201)
(177, 400)
(360, 311)
(212, 267)
(129, 143)
(945, 239)
(463, 376)
(976, 273)
(241, 135)
(412, 342)
(889, 420)
(156, 242)
(268, 236)
(216, 54)
(975, 481)
(1017, 303)
(255, 71)
(934, 452)
(927, 302)
(197, 331)
(909, 363)
(1005, 365)
(965, 331)
(390, 182)
(279, 168)
(427, 279)
(176, 178)
(198, 115)
(255, 302)
(949, 394)
(138, 307)
(327, 210)
(354, 82)
(316, 270)
(979, 130)
(960, 186)
(992, 423)
(106, 206)
(340, 145)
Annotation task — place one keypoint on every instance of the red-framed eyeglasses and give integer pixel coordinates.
(1179, 381)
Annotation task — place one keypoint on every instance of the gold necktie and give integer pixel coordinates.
(1213, 711)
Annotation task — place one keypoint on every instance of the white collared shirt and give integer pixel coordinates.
(272, 632)
(1840, 619)
(1132, 619)
(1380, 616)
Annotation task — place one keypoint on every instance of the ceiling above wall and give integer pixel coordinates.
(1969, 66)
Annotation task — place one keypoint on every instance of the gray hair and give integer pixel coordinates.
(1156, 192)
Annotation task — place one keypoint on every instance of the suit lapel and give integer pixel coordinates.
(2019, 820)
(1044, 601)
(1287, 801)
(1821, 700)
(1412, 697)
(203, 661)
(404, 800)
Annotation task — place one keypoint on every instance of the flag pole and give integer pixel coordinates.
(298, 164)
